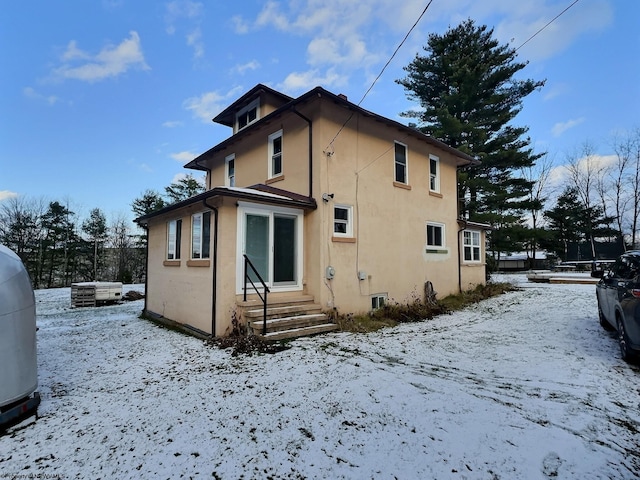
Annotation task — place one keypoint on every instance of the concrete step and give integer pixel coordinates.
(287, 317)
(254, 302)
(282, 311)
(301, 332)
(289, 323)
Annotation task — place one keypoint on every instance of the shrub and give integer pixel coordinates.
(416, 309)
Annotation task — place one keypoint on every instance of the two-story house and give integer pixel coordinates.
(334, 206)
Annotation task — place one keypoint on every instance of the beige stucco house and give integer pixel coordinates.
(338, 210)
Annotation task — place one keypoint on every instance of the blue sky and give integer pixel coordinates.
(102, 100)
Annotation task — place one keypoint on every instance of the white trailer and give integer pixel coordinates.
(18, 356)
(91, 294)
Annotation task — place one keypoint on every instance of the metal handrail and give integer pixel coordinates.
(266, 291)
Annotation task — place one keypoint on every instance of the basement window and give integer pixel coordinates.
(378, 301)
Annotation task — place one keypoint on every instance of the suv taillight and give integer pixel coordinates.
(635, 292)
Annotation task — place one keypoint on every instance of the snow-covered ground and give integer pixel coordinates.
(523, 386)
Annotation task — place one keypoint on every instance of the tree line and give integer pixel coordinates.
(470, 91)
(58, 247)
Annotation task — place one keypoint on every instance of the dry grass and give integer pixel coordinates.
(417, 309)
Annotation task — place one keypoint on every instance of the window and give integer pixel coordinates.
(434, 173)
(342, 223)
(275, 154)
(378, 301)
(435, 235)
(401, 163)
(200, 235)
(230, 171)
(174, 230)
(247, 115)
(471, 244)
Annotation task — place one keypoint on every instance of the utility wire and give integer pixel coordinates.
(396, 51)
(550, 22)
(383, 69)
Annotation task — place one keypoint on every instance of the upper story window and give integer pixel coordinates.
(174, 233)
(342, 221)
(200, 235)
(435, 235)
(471, 245)
(230, 171)
(434, 173)
(275, 154)
(248, 115)
(401, 167)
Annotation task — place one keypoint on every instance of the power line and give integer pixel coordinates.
(396, 51)
(383, 69)
(550, 22)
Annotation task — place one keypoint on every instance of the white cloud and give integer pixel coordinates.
(194, 40)
(181, 176)
(297, 81)
(111, 61)
(183, 156)
(560, 175)
(242, 69)
(209, 104)
(519, 21)
(561, 127)
(5, 194)
(240, 25)
(271, 15)
(29, 92)
(180, 9)
(190, 13)
(172, 124)
(553, 91)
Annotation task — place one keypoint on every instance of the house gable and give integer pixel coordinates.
(257, 103)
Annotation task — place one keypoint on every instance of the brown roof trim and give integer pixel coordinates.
(226, 117)
(480, 226)
(286, 198)
(320, 92)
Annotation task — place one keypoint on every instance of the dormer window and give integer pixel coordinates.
(248, 115)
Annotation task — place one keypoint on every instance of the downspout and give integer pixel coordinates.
(146, 269)
(460, 230)
(214, 275)
(214, 279)
(310, 149)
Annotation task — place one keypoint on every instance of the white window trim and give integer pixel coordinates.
(255, 208)
(255, 104)
(472, 246)
(444, 239)
(230, 181)
(406, 163)
(200, 246)
(172, 252)
(377, 297)
(272, 137)
(349, 221)
(436, 187)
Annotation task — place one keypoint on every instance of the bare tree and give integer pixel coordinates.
(123, 252)
(625, 185)
(539, 175)
(583, 173)
(22, 231)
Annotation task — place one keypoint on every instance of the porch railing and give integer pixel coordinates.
(263, 296)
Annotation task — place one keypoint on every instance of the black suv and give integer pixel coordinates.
(618, 294)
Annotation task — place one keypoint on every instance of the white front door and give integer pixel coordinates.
(272, 240)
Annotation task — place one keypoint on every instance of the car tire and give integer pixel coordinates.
(623, 340)
(603, 321)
